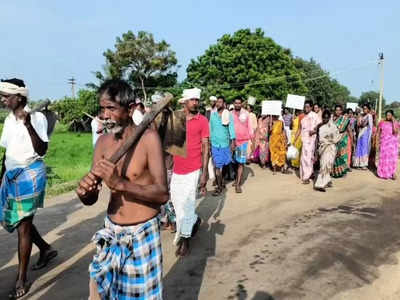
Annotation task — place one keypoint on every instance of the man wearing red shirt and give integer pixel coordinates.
(187, 170)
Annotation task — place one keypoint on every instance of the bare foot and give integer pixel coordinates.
(238, 189)
(183, 247)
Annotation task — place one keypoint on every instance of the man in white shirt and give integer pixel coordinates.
(23, 178)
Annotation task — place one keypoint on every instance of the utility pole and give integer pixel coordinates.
(72, 82)
(381, 61)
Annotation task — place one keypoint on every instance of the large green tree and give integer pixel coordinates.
(370, 97)
(246, 63)
(322, 88)
(142, 61)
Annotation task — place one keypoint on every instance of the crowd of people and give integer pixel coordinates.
(148, 185)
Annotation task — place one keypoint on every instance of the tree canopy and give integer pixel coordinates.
(246, 63)
(370, 97)
(322, 88)
(141, 61)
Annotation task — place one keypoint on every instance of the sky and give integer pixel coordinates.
(47, 42)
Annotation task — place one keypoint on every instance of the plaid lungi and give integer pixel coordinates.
(128, 262)
(241, 153)
(22, 192)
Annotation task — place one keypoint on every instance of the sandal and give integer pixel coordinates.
(45, 259)
(20, 291)
(217, 192)
(306, 181)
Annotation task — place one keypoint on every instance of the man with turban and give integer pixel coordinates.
(23, 177)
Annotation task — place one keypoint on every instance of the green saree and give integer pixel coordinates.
(341, 166)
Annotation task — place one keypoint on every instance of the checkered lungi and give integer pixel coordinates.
(241, 153)
(128, 262)
(22, 193)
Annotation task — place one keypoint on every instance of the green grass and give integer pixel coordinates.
(68, 158)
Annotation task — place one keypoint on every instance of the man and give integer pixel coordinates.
(244, 133)
(287, 121)
(97, 128)
(307, 130)
(128, 263)
(212, 108)
(138, 113)
(187, 170)
(222, 142)
(23, 178)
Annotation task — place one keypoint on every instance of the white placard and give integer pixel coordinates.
(352, 105)
(271, 107)
(295, 101)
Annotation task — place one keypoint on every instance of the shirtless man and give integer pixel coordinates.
(128, 263)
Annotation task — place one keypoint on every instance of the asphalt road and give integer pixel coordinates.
(277, 240)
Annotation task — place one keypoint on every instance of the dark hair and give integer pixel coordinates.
(367, 105)
(326, 113)
(349, 110)
(19, 83)
(339, 106)
(15, 81)
(119, 91)
(309, 102)
(221, 97)
(141, 105)
(316, 104)
(238, 98)
(390, 111)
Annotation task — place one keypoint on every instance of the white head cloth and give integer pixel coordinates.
(12, 89)
(213, 99)
(190, 94)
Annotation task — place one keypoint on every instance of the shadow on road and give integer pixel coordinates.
(71, 241)
(184, 279)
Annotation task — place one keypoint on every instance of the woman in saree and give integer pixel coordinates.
(352, 135)
(387, 137)
(341, 164)
(295, 163)
(361, 153)
(278, 146)
(328, 136)
(262, 139)
(307, 131)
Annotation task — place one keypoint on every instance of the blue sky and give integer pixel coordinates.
(46, 42)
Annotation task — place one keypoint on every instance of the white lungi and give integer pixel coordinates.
(183, 196)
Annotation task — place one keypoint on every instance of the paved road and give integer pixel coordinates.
(277, 240)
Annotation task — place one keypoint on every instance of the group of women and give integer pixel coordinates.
(331, 143)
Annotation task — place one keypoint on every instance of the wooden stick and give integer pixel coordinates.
(135, 137)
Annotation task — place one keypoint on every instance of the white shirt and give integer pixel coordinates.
(95, 127)
(17, 141)
(137, 117)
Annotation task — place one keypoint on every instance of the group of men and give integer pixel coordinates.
(128, 261)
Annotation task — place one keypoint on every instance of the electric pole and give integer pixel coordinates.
(72, 82)
(381, 61)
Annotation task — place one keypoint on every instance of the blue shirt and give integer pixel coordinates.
(221, 134)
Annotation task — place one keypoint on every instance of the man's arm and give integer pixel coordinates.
(153, 193)
(89, 186)
(39, 146)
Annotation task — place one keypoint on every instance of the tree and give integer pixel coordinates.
(246, 63)
(71, 110)
(370, 97)
(322, 88)
(141, 61)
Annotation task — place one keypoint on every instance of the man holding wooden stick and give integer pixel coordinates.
(128, 263)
